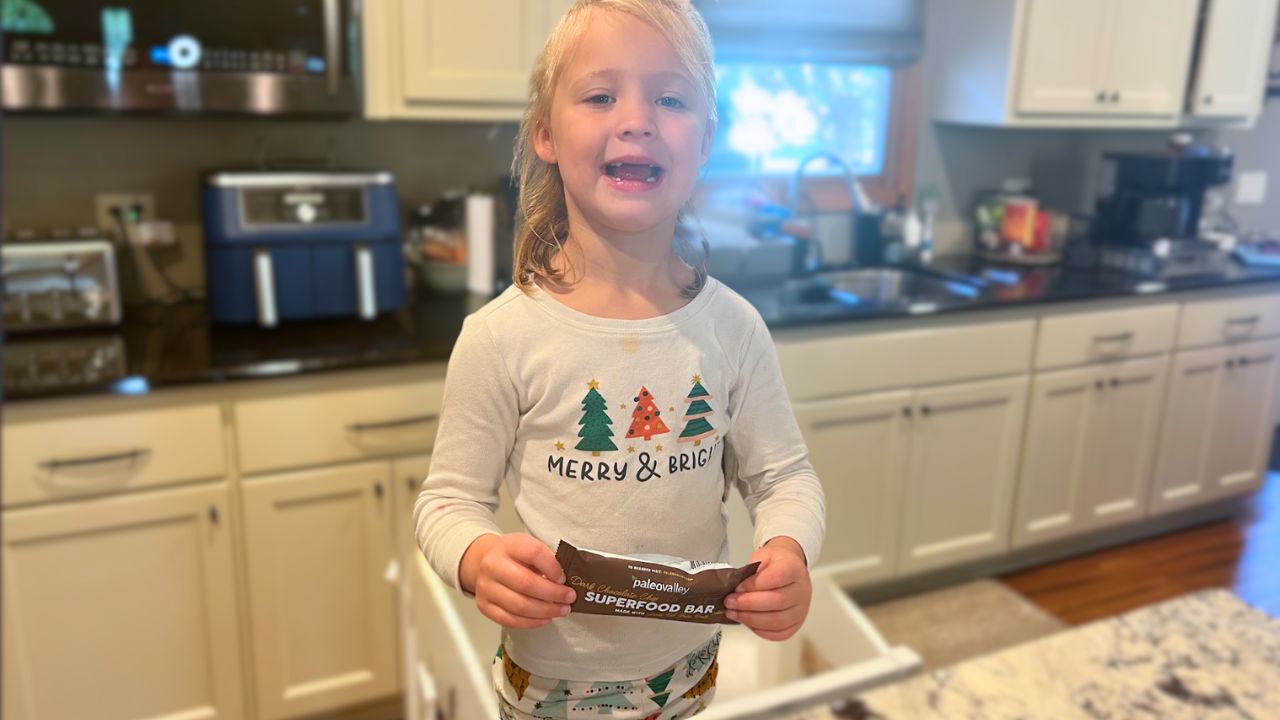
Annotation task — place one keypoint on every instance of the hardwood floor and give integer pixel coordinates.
(1242, 554)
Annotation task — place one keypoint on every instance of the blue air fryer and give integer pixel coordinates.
(290, 246)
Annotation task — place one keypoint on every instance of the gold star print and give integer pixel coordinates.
(697, 378)
(559, 445)
(623, 406)
(593, 384)
(659, 448)
(672, 408)
(631, 448)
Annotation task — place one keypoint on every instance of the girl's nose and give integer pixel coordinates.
(636, 121)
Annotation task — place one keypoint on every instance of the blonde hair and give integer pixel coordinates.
(542, 221)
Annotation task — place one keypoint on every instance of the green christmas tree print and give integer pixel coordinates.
(555, 706)
(607, 697)
(595, 432)
(697, 426)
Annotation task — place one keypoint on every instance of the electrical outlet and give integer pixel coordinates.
(145, 202)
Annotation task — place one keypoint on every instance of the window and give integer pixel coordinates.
(773, 115)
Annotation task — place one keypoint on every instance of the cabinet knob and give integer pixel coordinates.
(1231, 363)
(1100, 385)
(411, 482)
(1102, 96)
(925, 409)
(377, 490)
(907, 412)
(1244, 361)
(1208, 99)
(1115, 382)
(213, 514)
(1115, 97)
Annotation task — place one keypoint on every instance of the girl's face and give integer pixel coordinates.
(628, 127)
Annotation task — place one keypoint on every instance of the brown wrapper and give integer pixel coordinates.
(606, 584)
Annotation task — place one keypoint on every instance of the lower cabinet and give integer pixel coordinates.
(322, 608)
(122, 607)
(922, 478)
(1218, 424)
(858, 448)
(1088, 449)
(960, 472)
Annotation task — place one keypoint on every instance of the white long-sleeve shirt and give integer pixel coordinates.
(612, 434)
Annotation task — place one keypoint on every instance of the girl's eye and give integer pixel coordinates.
(671, 102)
(600, 99)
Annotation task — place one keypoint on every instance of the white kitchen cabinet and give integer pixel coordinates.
(858, 447)
(1217, 426)
(1235, 49)
(122, 608)
(453, 60)
(1088, 448)
(961, 468)
(322, 610)
(1060, 63)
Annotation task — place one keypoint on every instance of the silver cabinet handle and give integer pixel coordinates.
(131, 455)
(332, 42)
(387, 424)
(1118, 337)
(1244, 320)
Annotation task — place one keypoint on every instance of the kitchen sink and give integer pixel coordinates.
(878, 289)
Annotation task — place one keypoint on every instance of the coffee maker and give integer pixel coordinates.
(1148, 210)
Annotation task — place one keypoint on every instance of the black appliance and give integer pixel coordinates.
(234, 56)
(1145, 197)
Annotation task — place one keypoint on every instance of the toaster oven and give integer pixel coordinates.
(53, 285)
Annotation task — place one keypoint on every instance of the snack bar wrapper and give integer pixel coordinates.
(649, 586)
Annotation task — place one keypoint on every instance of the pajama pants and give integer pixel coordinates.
(680, 691)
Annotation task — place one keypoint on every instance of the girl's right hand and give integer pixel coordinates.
(517, 581)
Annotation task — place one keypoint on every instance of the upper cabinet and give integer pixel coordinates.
(453, 60)
(1097, 63)
(1235, 47)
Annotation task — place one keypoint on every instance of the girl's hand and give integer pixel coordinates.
(775, 601)
(517, 581)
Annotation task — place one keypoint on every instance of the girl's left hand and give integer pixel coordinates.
(775, 601)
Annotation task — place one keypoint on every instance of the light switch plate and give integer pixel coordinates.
(1251, 187)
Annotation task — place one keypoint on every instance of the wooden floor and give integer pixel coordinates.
(1243, 555)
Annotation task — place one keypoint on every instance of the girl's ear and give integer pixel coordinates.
(543, 144)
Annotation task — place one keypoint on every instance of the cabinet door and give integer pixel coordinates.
(1122, 442)
(1063, 56)
(1185, 432)
(122, 608)
(1055, 455)
(1242, 429)
(962, 463)
(1149, 56)
(319, 544)
(479, 51)
(1235, 49)
(857, 445)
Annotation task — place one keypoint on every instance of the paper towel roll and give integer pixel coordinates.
(481, 270)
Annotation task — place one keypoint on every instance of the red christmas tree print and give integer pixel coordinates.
(645, 422)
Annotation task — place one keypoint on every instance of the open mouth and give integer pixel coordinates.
(633, 172)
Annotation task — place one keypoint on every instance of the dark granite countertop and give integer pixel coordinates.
(177, 345)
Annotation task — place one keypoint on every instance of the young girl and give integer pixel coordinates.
(614, 388)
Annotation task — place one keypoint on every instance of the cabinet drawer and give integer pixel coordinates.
(1104, 335)
(1220, 321)
(109, 452)
(830, 367)
(337, 426)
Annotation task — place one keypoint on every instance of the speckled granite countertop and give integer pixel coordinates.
(1203, 655)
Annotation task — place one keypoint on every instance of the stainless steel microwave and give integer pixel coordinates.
(276, 57)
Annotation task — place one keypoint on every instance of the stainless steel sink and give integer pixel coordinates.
(878, 288)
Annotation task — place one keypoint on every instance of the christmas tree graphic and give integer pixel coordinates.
(595, 432)
(606, 697)
(645, 422)
(697, 426)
